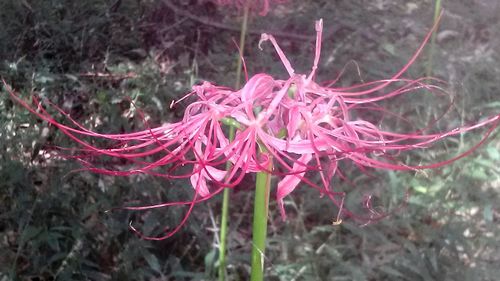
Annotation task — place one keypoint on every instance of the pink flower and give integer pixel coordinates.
(319, 125)
(304, 126)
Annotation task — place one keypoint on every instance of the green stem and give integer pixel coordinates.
(243, 35)
(259, 228)
(437, 12)
(232, 129)
(223, 223)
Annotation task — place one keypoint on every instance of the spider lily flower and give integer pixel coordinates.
(319, 125)
(297, 123)
(262, 6)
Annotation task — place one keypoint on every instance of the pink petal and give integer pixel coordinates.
(290, 182)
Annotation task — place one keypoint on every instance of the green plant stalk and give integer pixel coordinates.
(232, 130)
(259, 228)
(437, 12)
(224, 216)
(243, 35)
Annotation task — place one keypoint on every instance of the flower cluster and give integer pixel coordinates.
(296, 123)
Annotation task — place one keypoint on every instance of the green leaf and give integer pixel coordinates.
(421, 189)
(152, 261)
(488, 212)
(493, 153)
(30, 232)
(391, 271)
(479, 174)
(388, 47)
(210, 260)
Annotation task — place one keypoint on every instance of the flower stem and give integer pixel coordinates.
(243, 35)
(259, 228)
(232, 130)
(223, 223)
(437, 12)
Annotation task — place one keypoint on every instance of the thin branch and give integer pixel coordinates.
(236, 29)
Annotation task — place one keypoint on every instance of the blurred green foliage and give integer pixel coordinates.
(94, 58)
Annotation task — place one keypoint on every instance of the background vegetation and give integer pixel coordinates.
(92, 57)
